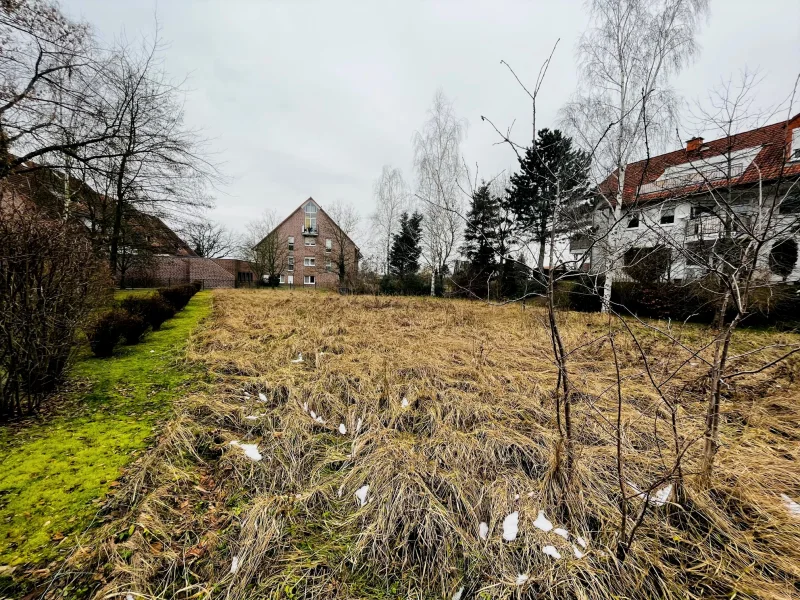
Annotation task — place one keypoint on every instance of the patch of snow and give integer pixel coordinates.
(521, 578)
(457, 595)
(530, 494)
(516, 496)
(253, 417)
(320, 420)
(792, 506)
(130, 596)
(250, 450)
(542, 522)
(235, 564)
(511, 526)
(262, 396)
(342, 429)
(578, 553)
(299, 358)
(483, 530)
(247, 394)
(404, 403)
(313, 414)
(361, 494)
(581, 541)
(562, 532)
(359, 423)
(305, 406)
(551, 551)
(657, 498)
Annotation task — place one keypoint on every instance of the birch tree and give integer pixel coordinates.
(624, 107)
(439, 169)
(391, 199)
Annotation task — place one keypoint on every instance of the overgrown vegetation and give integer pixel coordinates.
(445, 410)
(50, 280)
(56, 469)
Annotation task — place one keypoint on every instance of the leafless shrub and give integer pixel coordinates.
(49, 281)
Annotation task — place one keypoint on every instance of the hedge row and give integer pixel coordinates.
(131, 319)
(778, 306)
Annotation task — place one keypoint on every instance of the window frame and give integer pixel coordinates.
(309, 280)
(634, 217)
(309, 261)
(290, 263)
(309, 241)
(291, 242)
(328, 246)
(329, 265)
(668, 213)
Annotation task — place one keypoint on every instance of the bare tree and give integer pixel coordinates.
(625, 105)
(391, 199)
(208, 239)
(265, 250)
(740, 227)
(345, 219)
(440, 174)
(154, 162)
(50, 75)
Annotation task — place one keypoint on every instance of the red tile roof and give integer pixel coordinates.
(769, 164)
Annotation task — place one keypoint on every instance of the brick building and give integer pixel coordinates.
(318, 253)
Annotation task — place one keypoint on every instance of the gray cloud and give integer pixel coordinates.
(312, 98)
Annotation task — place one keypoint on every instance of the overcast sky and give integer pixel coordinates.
(308, 98)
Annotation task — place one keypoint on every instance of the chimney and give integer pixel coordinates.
(693, 145)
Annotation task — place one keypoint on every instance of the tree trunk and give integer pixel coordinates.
(613, 245)
(433, 281)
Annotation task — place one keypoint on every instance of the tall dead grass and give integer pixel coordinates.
(476, 442)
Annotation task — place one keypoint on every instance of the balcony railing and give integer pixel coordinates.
(712, 227)
(310, 231)
(711, 173)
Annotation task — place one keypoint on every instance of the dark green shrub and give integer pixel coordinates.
(177, 296)
(132, 328)
(585, 293)
(153, 309)
(106, 332)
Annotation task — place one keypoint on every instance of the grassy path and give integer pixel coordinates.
(55, 471)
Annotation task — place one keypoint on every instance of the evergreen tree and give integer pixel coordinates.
(406, 250)
(553, 178)
(480, 235)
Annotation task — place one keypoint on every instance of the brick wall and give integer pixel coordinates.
(177, 270)
(324, 276)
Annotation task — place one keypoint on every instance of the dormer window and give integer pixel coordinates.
(794, 152)
(310, 223)
(633, 220)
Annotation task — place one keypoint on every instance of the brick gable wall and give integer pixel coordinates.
(293, 226)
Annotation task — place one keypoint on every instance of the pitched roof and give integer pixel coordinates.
(302, 204)
(683, 172)
(43, 187)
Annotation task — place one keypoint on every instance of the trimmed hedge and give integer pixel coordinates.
(153, 309)
(132, 328)
(106, 332)
(178, 296)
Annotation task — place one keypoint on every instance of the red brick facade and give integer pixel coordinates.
(316, 251)
(177, 270)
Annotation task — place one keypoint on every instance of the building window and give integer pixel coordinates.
(790, 204)
(794, 154)
(668, 216)
(310, 223)
(633, 221)
(309, 280)
(329, 265)
(309, 241)
(290, 279)
(291, 242)
(699, 211)
(290, 266)
(328, 245)
(281, 279)
(308, 261)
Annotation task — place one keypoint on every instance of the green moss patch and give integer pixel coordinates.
(56, 470)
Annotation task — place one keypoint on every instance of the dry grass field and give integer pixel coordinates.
(444, 409)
